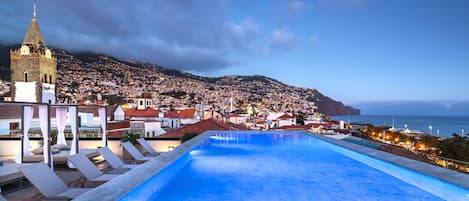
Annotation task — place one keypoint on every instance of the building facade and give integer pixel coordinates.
(33, 69)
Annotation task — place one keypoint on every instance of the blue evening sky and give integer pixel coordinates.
(363, 50)
(351, 50)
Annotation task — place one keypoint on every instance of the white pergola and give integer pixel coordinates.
(44, 109)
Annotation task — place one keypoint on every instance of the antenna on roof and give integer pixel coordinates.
(34, 10)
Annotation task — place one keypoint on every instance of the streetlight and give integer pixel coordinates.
(462, 132)
(438, 133)
(430, 127)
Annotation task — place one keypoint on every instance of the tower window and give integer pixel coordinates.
(45, 78)
(50, 79)
(25, 76)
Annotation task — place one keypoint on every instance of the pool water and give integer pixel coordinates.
(284, 166)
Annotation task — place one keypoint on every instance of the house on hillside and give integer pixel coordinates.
(286, 120)
(171, 119)
(143, 118)
(188, 116)
(213, 114)
(238, 119)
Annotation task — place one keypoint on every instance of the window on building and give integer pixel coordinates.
(25, 76)
(50, 79)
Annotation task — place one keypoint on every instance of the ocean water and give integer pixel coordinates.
(446, 125)
(290, 166)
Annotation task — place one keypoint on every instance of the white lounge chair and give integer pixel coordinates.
(2, 198)
(88, 169)
(147, 147)
(134, 152)
(48, 183)
(113, 160)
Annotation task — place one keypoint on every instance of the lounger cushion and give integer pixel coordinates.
(37, 151)
(111, 158)
(147, 147)
(44, 179)
(134, 152)
(85, 166)
(60, 146)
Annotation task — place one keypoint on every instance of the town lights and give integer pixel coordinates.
(422, 146)
(396, 140)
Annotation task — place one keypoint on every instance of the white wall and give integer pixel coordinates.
(189, 121)
(153, 129)
(119, 114)
(285, 122)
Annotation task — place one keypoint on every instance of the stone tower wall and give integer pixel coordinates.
(37, 65)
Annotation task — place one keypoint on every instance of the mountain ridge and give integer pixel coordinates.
(101, 65)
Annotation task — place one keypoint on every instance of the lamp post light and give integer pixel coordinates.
(462, 132)
(438, 133)
(430, 127)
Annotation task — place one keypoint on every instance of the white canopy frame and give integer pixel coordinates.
(45, 122)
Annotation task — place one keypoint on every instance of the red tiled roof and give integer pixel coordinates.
(118, 125)
(187, 114)
(285, 116)
(202, 126)
(147, 95)
(133, 112)
(171, 114)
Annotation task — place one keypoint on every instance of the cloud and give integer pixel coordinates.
(282, 39)
(296, 6)
(243, 33)
(182, 34)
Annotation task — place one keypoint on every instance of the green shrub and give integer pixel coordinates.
(130, 137)
(187, 137)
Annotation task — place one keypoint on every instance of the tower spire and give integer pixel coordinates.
(34, 10)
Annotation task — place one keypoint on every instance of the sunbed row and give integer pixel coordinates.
(52, 187)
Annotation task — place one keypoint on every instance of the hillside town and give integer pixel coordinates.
(256, 102)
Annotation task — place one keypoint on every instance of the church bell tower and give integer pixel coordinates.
(33, 68)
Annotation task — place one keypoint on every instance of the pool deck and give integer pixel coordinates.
(121, 185)
(117, 187)
(447, 175)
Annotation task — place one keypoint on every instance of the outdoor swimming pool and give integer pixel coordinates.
(286, 166)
